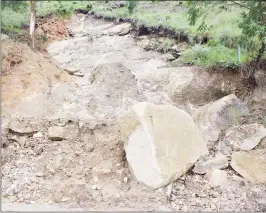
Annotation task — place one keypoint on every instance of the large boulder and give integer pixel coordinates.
(161, 143)
(217, 116)
(251, 165)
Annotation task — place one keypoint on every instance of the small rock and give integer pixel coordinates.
(39, 150)
(89, 147)
(169, 57)
(38, 135)
(81, 124)
(56, 133)
(39, 174)
(213, 207)
(79, 74)
(20, 139)
(77, 153)
(250, 165)
(64, 199)
(109, 191)
(12, 199)
(216, 178)
(125, 179)
(95, 187)
(219, 162)
(10, 191)
(71, 70)
(4, 141)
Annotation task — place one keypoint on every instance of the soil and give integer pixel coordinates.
(87, 169)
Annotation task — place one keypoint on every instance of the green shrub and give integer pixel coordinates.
(212, 55)
(167, 44)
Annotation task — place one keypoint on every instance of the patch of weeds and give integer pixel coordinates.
(43, 38)
(167, 43)
(11, 21)
(212, 55)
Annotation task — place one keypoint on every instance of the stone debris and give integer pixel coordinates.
(19, 127)
(79, 74)
(219, 162)
(21, 139)
(219, 115)
(244, 137)
(169, 57)
(38, 135)
(71, 70)
(56, 133)
(216, 178)
(161, 143)
(251, 165)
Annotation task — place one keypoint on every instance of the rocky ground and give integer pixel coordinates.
(61, 142)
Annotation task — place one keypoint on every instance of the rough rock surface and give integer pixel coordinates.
(219, 162)
(161, 143)
(244, 137)
(216, 178)
(215, 117)
(251, 165)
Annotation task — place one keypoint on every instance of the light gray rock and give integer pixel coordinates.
(219, 162)
(219, 115)
(79, 74)
(251, 165)
(244, 137)
(161, 143)
(216, 178)
(56, 133)
(169, 57)
(38, 135)
(21, 139)
(71, 70)
(20, 127)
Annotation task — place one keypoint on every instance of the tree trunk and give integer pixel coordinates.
(32, 23)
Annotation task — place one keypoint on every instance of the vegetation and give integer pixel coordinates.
(252, 22)
(209, 56)
(15, 14)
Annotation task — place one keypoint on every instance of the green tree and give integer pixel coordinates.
(252, 24)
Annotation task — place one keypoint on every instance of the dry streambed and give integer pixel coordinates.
(63, 144)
